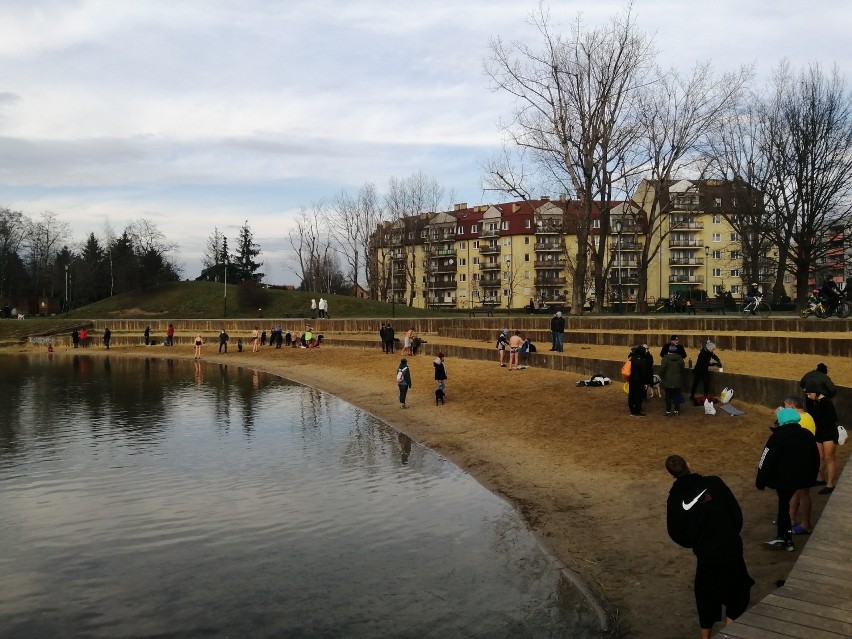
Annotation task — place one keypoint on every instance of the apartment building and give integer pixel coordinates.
(508, 254)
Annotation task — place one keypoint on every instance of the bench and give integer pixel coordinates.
(488, 310)
(716, 304)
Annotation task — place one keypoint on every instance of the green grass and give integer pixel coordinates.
(199, 300)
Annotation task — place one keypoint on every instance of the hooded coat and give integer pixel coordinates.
(790, 459)
(671, 371)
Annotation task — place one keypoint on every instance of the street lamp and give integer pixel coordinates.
(225, 309)
(618, 228)
(707, 273)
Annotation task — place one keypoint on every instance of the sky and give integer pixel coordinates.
(205, 114)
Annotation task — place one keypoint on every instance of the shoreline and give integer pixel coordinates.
(588, 482)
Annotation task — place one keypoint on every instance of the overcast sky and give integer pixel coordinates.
(198, 114)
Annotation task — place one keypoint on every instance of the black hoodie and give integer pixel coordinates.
(703, 514)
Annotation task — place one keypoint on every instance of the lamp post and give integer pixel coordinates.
(67, 305)
(707, 273)
(618, 228)
(225, 298)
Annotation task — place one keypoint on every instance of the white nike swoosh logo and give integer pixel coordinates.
(694, 501)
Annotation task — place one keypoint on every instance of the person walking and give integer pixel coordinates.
(382, 341)
(641, 377)
(107, 337)
(313, 309)
(701, 371)
(671, 379)
(403, 380)
(557, 331)
(255, 345)
(801, 505)
(790, 461)
(198, 342)
(147, 335)
(223, 341)
(821, 408)
(703, 514)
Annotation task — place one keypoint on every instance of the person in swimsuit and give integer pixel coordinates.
(198, 343)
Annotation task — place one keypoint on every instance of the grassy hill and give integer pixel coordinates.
(201, 300)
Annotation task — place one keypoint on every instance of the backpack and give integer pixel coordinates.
(625, 370)
(400, 375)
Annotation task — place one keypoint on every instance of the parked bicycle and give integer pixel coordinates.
(756, 307)
(817, 305)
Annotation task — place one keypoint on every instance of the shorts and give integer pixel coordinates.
(827, 434)
(501, 347)
(407, 343)
(514, 349)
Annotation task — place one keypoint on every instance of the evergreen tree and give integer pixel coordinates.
(246, 269)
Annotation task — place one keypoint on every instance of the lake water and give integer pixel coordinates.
(164, 498)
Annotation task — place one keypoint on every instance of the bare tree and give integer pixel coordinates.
(45, 237)
(576, 119)
(312, 247)
(677, 117)
(13, 230)
(213, 249)
(807, 140)
(351, 219)
(406, 200)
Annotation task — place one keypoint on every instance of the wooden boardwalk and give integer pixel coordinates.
(816, 600)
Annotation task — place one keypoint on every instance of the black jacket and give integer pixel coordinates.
(641, 370)
(702, 362)
(703, 514)
(557, 324)
(790, 459)
(820, 381)
(679, 349)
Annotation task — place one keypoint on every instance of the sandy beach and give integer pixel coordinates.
(588, 480)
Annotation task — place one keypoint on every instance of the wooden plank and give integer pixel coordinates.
(807, 583)
(809, 595)
(825, 611)
(809, 618)
(759, 617)
(809, 563)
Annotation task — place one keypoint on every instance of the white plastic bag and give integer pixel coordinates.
(726, 395)
(842, 435)
(709, 409)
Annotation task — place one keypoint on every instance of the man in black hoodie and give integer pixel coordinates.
(704, 515)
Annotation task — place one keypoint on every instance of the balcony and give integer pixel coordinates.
(686, 279)
(489, 281)
(442, 301)
(443, 252)
(490, 266)
(684, 243)
(554, 264)
(489, 250)
(686, 261)
(442, 284)
(444, 268)
(551, 281)
(629, 246)
(686, 225)
(548, 228)
(549, 246)
(490, 233)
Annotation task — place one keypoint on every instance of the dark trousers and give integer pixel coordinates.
(672, 397)
(635, 396)
(783, 518)
(403, 391)
(702, 377)
(389, 346)
(223, 345)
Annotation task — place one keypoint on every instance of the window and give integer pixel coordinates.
(507, 241)
(527, 224)
(717, 272)
(462, 261)
(526, 275)
(476, 277)
(717, 237)
(527, 240)
(717, 255)
(459, 230)
(505, 275)
(505, 225)
(463, 277)
(596, 224)
(423, 233)
(735, 255)
(735, 272)
(462, 245)
(718, 202)
(717, 289)
(508, 258)
(717, 219)
(735, 237)
(473, 229)
(735, 289)
(475, 244)
(526, 257)
(411, 235)
(475, 261)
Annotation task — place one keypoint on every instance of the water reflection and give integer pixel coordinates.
(173, 499)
